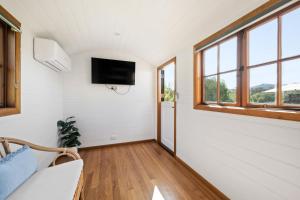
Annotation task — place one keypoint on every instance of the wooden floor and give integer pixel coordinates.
(135, 171)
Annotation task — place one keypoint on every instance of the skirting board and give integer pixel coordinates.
(166, 148)
(203, 180)
(116, 144)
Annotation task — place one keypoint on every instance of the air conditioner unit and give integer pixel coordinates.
(49, 53)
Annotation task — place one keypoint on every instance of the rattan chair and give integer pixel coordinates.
(6, 141)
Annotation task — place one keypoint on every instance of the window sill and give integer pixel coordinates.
(274, 113)
(9, 111)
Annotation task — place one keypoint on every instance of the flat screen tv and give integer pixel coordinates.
(105, 71)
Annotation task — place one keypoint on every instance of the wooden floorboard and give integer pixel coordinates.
(132, 171)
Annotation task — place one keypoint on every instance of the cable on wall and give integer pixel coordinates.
(115, 89)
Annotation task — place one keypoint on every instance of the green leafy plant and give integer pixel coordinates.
(169, 94)
(226, 94)
(67, 132)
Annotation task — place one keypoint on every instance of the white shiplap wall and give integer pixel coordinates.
(102, 114)
(245, 157)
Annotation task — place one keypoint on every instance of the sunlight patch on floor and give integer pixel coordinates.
(157, 195)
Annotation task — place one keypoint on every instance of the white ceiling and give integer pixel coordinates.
(151, 29)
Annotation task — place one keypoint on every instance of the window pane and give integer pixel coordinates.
(2, 78)
(263, 43)
(290, 33)
(210, 89)
(228, 55)
(11, 68)
(228, 87)
(169, 84)
(210, 61)
(291, 82)
(263, 82)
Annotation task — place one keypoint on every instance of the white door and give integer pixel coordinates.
(167, 124)
(168, 106)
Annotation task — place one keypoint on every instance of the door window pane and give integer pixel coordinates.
(263, 43)
(169, 84)
(210, 61)
(228, 87)
(210, 88)
(263, 82)
(291, 33)
(291, 82)
(228, 55)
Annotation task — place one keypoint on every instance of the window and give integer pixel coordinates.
(9, 64)
(256, 71)
(168, 84)
(273, 52)
(220, 72)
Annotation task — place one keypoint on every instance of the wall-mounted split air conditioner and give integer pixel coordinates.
(49, 53)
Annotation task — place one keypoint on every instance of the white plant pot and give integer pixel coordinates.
(75, 149)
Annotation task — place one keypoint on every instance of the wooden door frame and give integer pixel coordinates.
(158, 84)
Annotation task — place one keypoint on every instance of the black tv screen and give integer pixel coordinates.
(105, 71)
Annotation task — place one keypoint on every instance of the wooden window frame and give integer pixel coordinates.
(218, 44)
(243, 105)
(278, 61)
(16, 109)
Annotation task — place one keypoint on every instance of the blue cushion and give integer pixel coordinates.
(15, 169)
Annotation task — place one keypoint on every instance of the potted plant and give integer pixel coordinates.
(68, 134)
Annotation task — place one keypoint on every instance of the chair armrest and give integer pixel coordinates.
(62, 151)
